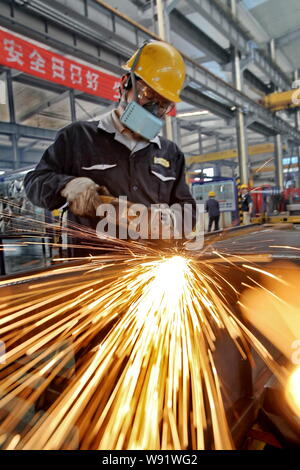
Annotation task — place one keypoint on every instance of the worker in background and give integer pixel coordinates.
(247, 204)
(212, 207)
(122, 154)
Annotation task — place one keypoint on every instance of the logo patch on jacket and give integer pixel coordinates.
(162, 161)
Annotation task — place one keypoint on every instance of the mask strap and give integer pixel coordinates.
(132, 75)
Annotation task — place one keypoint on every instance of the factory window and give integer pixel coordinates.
(4, 111)
(30, 150)
(289, 160)
(209, 172)
(37, 107)
(6, 152)
(87, 110)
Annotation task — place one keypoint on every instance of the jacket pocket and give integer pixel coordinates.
(164, 178)
(101, 166)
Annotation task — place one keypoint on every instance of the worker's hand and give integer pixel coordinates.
(152, 224)
(81, 194)
(166, 224)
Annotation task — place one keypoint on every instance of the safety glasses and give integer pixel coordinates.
(147, 95)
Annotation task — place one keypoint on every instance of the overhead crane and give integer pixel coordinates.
(257, 149)
(280, 100)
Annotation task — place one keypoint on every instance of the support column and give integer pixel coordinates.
(163, 32)
(200, 143)
(278, 137)
(278, 161)
(272, 49)
(239, 115)
(176, 131)
(217, 169)
(12, 115)
(72, 105)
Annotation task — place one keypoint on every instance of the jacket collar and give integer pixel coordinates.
(110, 123)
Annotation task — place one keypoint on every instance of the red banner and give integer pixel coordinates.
(23, 55)
(34, 60)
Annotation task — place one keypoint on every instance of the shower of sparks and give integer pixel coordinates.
(141, 385)
(117, 351)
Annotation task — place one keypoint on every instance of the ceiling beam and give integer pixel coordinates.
(191, 33)
(197, 98)
(219, 16)
(285, 39)
(19, 130)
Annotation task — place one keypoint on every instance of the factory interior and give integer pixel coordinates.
(140, 344)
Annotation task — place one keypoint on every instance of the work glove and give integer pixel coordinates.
(163, 224)
(155, 224)
(137, 221)
(83, 195)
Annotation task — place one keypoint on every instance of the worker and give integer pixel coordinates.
(212, 207)
(247, 204)
(122, 153)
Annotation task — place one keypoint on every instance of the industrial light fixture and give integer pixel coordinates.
(2, 172)
(192, 113)
(24, 172)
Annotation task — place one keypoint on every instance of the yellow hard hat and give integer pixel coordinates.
(244, 186)
(211, 194)
(161, 67)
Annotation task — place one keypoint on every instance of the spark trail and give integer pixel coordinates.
(116, 352)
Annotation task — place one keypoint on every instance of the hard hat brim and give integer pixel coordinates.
(160, 90)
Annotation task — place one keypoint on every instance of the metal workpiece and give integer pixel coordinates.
(269, 242)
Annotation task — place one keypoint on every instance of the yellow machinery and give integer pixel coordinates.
(257, 149)
(282, 100)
